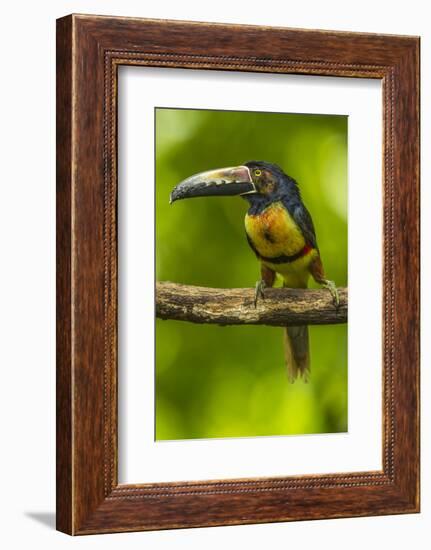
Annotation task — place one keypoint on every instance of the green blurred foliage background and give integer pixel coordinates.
(216, 381)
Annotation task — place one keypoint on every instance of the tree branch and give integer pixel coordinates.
(235, 306)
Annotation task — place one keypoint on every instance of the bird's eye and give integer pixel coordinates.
(258, 173)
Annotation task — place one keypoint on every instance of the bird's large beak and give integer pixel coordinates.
(235, 180)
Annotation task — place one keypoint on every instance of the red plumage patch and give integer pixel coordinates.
(307, 248)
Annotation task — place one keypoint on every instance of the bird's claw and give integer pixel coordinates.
(330, 285)
(260, 288)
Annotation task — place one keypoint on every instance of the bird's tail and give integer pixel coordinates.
(297, 352)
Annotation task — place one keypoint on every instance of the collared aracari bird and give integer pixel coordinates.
(279, 230)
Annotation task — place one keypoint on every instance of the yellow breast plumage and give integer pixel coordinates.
(274, 232)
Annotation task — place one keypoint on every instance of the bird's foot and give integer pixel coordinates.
(260, 291)
(330, 285)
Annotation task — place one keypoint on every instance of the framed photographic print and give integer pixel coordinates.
(226, 195)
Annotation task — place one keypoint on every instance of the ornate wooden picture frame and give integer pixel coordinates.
(89, 51)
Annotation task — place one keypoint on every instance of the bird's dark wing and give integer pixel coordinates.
(303, 219)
